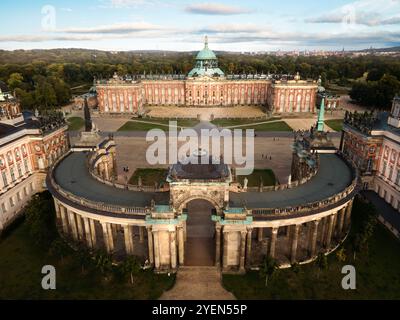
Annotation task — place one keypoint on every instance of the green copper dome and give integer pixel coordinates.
(206, 63)
(206, 53)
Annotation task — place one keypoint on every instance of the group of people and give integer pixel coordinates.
(125, 169)
(266, 157)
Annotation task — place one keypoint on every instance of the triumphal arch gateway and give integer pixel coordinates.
(291, 222)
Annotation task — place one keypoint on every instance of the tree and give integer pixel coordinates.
(341, 254)
(40, 219)
(322, 263)
(103, 262)
(45, 95)
(58, 248)
(84, 257)
(15, 80)
(26, 99)
(131, 267)
(268, 268)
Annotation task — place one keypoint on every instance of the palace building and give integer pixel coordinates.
(206, 85)
(28, 146)
(372, 141)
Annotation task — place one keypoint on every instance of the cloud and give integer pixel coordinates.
(222, 36)
(119, 28)
(66, 9)
(215, 9)
(118, 4)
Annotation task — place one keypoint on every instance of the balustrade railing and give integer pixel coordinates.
(101, 206)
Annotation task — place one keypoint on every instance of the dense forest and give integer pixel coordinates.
(44, 78)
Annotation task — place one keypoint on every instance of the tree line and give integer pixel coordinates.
(44, 78)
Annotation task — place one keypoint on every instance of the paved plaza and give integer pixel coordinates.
(198, 283)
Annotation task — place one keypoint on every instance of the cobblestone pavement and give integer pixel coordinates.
(198, 283)
(205, 113)
(110, 124)
(303, 124)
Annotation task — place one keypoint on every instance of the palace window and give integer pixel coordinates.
(12, 174)
(4, 176)
(19, 169)
(390, 172)
(398, 178)
(11, 202)
(3, 207)
(384, 167)
(369, 164)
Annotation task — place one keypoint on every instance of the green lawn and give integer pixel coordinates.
(149, 176)
(237, 122)
(75, 123)
(20, 275)
(133, 125)
(377, 273)
(267, 176)
(336, 124)
(273, 126)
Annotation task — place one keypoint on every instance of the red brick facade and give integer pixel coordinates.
(117, 96)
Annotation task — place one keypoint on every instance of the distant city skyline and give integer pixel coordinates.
(174, 25)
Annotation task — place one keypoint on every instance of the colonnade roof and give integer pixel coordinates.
(72, 175)
(333, 176)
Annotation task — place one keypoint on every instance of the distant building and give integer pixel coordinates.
(9, 107)
(206, 85)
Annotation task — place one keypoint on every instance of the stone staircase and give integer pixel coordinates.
(198, 283)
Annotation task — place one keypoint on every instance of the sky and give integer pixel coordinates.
(231, 25)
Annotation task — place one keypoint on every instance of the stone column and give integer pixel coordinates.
(342, 214)
(111, 227)
(260, 234)
(313, 238)
(323, 221)
(184, 230)
(141, 234)
(172, 246)
(242, 250)
(81, 235)
(295, 238)
(128, 240)
(272, 243)
(108, 238)
(218, 246)
(348, 215)
(72, 222)
(58, 211)
(88, 236)
(181, 246)
(225, 250)
(287, 233)
(248, 248)
(106, 171)
(114, 230)
(329, 231)
(93, 232)
(156, 250)
(150, 245)
(64, 219)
